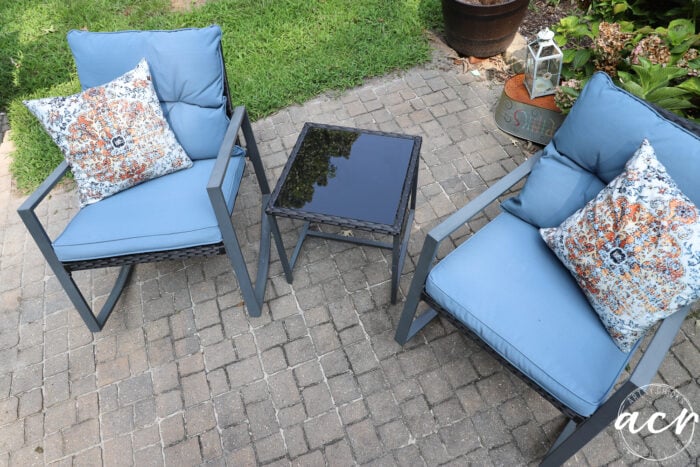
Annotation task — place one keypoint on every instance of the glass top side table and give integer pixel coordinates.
(354, 179)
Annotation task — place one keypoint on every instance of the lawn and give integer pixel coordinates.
(277, 52)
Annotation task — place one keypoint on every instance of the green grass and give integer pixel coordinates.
(277, 52)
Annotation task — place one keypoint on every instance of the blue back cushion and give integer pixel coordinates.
(555, 189)
(187, 71)
(603, 130)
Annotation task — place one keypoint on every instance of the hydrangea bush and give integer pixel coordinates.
(660, 64)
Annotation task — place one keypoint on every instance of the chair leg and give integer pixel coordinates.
(94, 322)
(408, 327)
(254, 294)
(259, 169)
(554, 456)
(576, 435)
(235, 256)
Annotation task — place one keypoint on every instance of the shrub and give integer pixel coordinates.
(658, 63)
(654, 13)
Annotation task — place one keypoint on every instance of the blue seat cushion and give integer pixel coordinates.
(187, 72)
(506, 286)
(166, 213)
(555, 189)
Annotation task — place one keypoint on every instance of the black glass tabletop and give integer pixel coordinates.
(347, 173)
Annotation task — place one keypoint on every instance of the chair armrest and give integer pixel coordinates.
(216, 178)
(643, 373)
(657, 349)
(29, 217)
(407, 327)
(478, 204)
(44, 189)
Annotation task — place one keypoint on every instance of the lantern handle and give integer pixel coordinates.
(545, 35)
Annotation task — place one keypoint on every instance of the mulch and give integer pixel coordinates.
(546, 13)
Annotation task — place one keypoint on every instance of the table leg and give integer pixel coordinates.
(286, 267)
(398, 247)
(395, 271)
(399, 254)
(288, 263)
(300, 242)
(401, 240)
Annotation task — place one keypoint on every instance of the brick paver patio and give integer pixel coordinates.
(181, 375)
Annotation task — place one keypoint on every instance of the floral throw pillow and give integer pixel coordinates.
(113, 136)
(634, 249)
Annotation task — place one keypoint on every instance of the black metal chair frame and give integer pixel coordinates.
(579, 429)
(253, 294)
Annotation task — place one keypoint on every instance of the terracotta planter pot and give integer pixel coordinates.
(482, 30)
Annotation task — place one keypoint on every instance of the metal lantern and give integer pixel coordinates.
(543, 66)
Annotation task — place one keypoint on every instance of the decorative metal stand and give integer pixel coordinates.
(531, 119)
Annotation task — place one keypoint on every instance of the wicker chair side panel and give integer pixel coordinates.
(125, 260)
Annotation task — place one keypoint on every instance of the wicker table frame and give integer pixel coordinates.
(399, 231)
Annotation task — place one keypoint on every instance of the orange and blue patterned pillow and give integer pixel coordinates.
(113, 136)
(634, 249)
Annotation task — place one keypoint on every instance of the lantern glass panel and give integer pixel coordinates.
(529, 71)
(548, 51)
(546, 77)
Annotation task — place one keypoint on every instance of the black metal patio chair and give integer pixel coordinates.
(509, 292)
(177, 216)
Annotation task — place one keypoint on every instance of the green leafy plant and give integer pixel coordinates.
(681, 36)
(660, 64)
(653, 83)
(576, 34)
(650, 12)
(691, 85)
